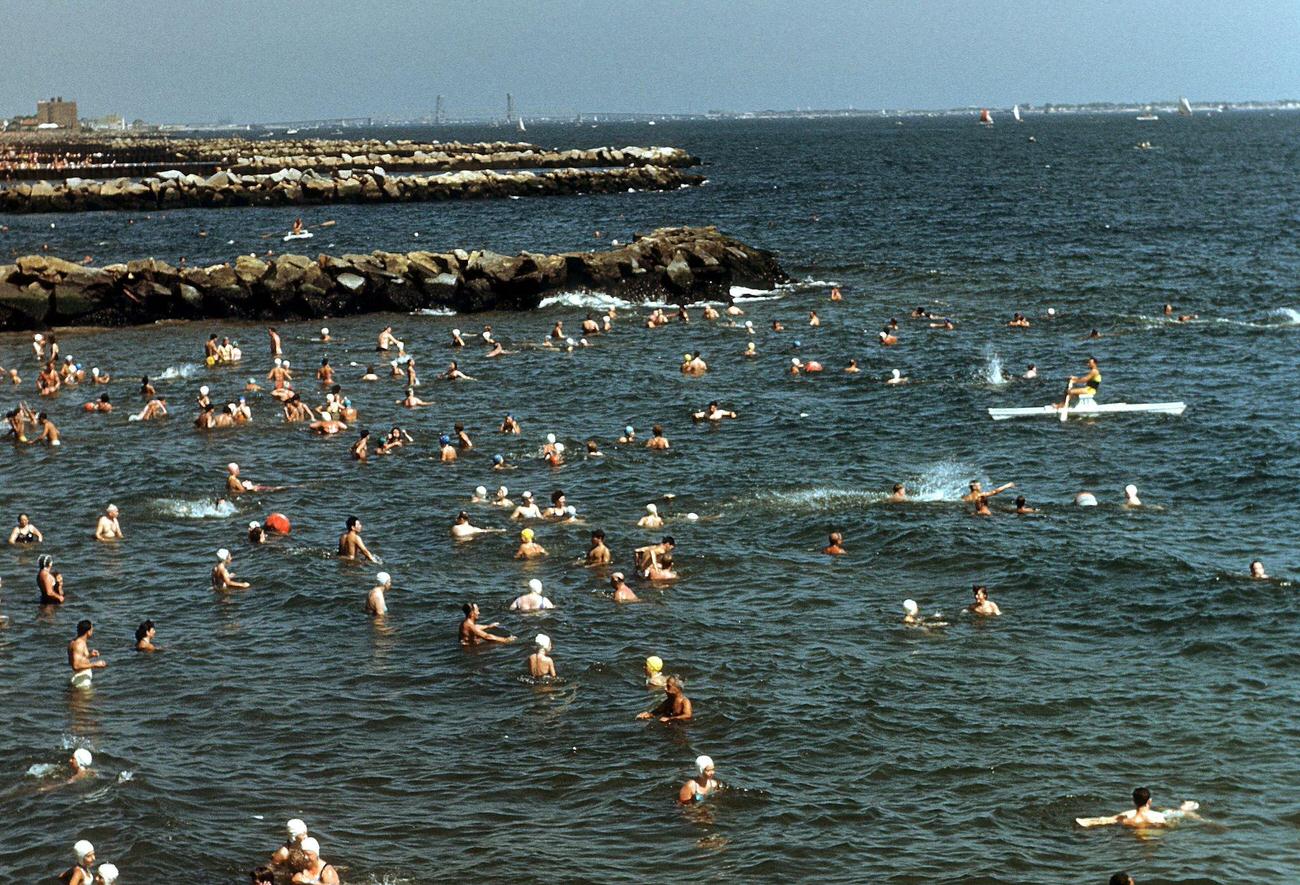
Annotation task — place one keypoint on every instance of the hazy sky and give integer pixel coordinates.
(274, 60)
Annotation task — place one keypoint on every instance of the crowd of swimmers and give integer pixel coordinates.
(299, 859)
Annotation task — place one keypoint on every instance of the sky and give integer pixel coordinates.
(195, 61)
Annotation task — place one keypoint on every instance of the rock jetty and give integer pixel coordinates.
(174, 189)
(678, 264)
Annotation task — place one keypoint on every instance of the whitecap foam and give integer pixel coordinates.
(195, 509)
(1289, 316)
(433, 312)
(589, 300)
(742, 293)
(185, 370)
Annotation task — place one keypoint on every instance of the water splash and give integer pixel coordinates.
(945, 481)
(184, 370)
(815, 500)
(207, 509)
(992, 372)
(1288, 315)
(41, 769)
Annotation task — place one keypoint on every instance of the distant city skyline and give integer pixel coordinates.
(276, 61)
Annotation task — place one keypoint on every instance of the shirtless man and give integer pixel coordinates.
(325, 374)
(387, 339)
(49, 433)
(462, 528)
(81, 657)
(155, 408)
(658, 440)
(473, 633)
(375, 603)
(359, 450)
(976, 492)
(713, 413)
(676, 707)
(599, 554)
(898, 495)
(694, 365)
(983, 606)
(411, 401)
(350, 544)
(222, 577)
(836, 545)
(454, 373)
(1143, 815)
(108, 528)
(509, 425)
(48, 382)
(650, 559)
(295, 410)
(101, 405)
(532, 601)
(276, 348)
(622, 592)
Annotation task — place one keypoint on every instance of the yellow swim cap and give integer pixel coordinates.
(686, 358)
(654, 663)
(526, 534)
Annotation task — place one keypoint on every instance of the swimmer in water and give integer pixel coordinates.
(155, 408)
(144, 635)
(945, 323)
(454, 373)
(1143, 815)
(462, 528)
(533, 601)
(108, 528)
(657, 439)
(750, 350)
(1022, 506)
(222, 577)
(983, 606)
(652, 519)
(528, 548)
(359, 449)
(502, 498)
(598, 553)
(81, 657)
(628, 437)
(325, 374)
(654, 672)
(327, 427)
(714, 412)
(1085, 499)
(676, 707)
(702, 785)
(694, 365)
(896, 377)
(474, 633)
(101, 405)
(376, 605)
(1131, 498)
(350, 544)
(852, 368)
(913, 618)
(315, 871)
(1257, 571)
(886, 339)
(527, 508)
(835, 294)
(898, 495)
(836, 545)
(540, 664)
(24, 532)
(456, 340)
(622, 592)
(369, 374)
(559, 503)
(80, 874)
(510, 425)
(1030, 373)
(256, 534)
(289, 855)
(387, 339)
(49, 433)
(593, 449)
(80, 763)
(49, 583)
(976, 492)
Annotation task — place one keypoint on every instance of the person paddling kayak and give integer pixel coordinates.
(1089, 384)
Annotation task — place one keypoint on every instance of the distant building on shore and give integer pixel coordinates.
(57, 113)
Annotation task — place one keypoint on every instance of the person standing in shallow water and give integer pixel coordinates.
(702, 785)
(676, 707)
(473, 633)
(350, 544)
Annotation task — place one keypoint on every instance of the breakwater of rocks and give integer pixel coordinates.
(682, 265)
(174, 189)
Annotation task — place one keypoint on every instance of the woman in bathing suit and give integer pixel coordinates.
(25, 532)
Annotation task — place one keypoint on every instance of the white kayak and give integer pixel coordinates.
(301, 235)
(1087, 409)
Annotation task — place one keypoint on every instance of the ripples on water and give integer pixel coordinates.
(1131, 650)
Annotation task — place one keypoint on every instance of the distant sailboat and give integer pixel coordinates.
(521, 125)
(1184, 107)
(986, 119)
(1015, 112)
(1147, 115)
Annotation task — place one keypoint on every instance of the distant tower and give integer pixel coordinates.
(439, 112)
(510, 108)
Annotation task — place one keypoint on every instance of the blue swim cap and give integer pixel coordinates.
(498, 459)
(796, 342)
(628, 430)
(444, 439)
(346, 401)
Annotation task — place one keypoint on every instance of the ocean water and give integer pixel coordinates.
(1131, 651)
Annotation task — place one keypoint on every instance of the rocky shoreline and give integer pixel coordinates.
(174, 189)
(676, 264)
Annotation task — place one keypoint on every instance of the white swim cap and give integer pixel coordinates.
(910, 606)
(204, 390)
(455, 331)
(1131, 490)
(108, 873)
(232, 466)
(1085, 499)
(692, 516)
(650, 508)
(296, 828)
(324, 331)
(703, 762)
(550, 438)
(1051, 311)
(223, 554)
(82, 848)
(254, 524)
(749, 324)
(83, 757)
(535, 585)
(570, 341)
(897, 373)
(481, 491)
(279, 362)
(543, 641)
(95, 371)
(38, 337)
(502, 491)
(384, 578)
(310, 845)
(286, 364)
(583, 342)
(559, 448)
(794, 361)
(527, 494)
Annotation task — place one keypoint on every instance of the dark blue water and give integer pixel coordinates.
(1131, 651)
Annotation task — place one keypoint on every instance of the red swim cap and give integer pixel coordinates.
(277, 522)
